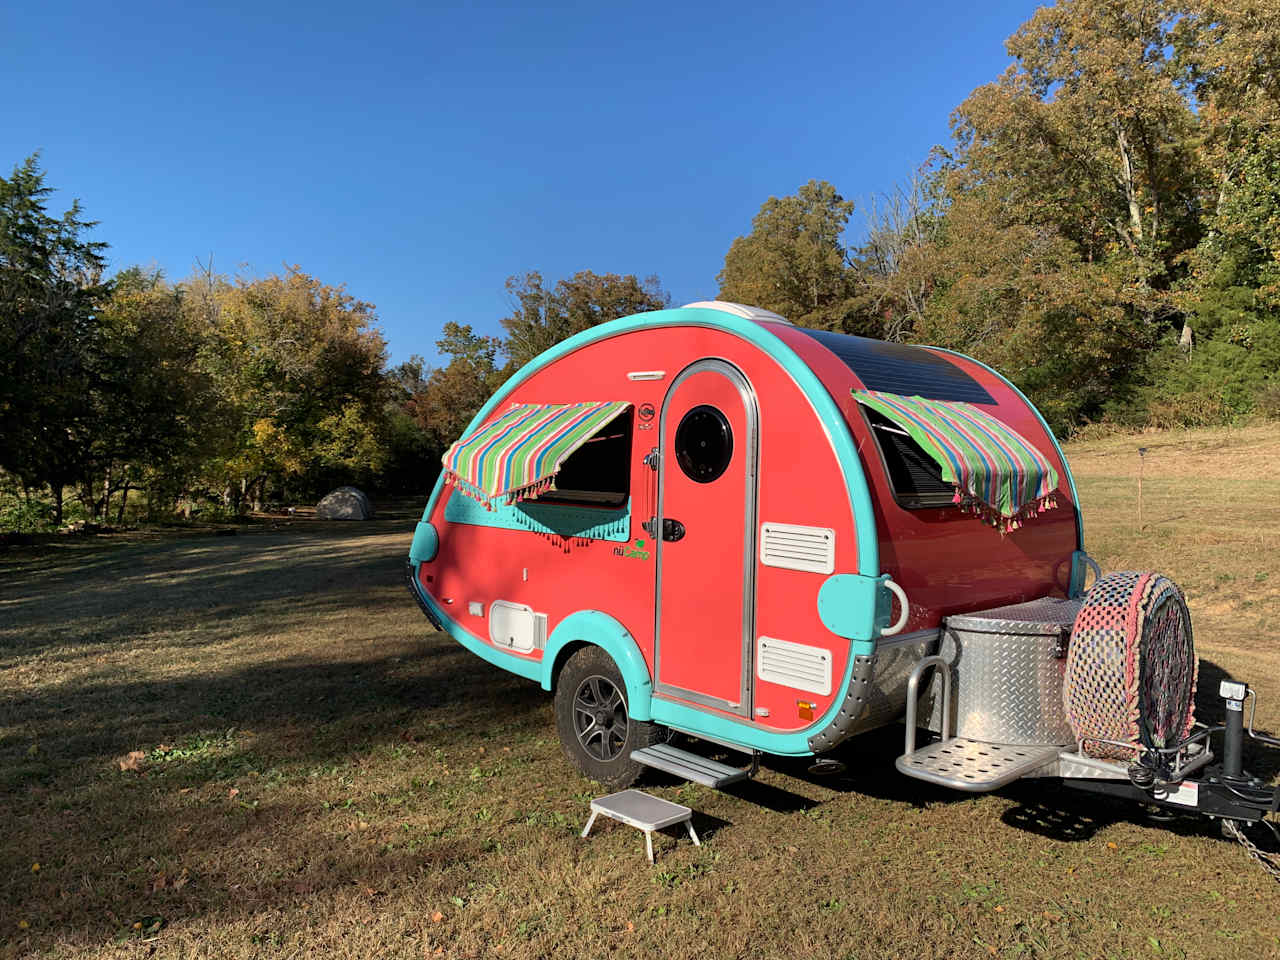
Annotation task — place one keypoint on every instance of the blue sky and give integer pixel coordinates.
(422, 153)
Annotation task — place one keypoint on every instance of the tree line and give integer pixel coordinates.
(220, 394)
(1103, 227)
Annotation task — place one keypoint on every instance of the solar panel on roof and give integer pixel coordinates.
(901, 368)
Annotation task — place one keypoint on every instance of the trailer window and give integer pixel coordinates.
(704, 444)
(599, 471)
(914, 476)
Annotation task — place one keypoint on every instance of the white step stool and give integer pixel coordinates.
(644, 812)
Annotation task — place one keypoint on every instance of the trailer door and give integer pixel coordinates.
(706, 538)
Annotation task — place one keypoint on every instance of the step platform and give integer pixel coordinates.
(690, 766)
(975, 766)
(644, 812)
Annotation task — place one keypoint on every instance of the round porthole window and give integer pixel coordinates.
(704, 444)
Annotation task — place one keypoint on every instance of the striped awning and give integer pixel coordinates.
(999, 475)
(517, 455)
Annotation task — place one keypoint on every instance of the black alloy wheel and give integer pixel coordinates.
(597, 732)
(600, 718)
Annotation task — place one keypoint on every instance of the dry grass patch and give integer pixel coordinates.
(320, 776)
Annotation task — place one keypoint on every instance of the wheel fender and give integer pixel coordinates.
(602, 630)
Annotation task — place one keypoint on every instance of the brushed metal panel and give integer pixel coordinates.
(974, 766)
(1008, 672)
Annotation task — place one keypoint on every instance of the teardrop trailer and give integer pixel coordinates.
(706, 520)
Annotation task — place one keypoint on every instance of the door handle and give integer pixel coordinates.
(672, 530)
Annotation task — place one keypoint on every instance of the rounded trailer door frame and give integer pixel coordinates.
(679, 643)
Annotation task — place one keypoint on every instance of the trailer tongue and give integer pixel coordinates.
(1097, 691)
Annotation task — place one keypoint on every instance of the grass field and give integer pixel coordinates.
(308, 771)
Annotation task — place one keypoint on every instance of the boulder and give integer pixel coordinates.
(345, 503)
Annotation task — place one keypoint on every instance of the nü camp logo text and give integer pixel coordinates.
(634, 551)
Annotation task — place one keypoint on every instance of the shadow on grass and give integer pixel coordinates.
(121, 589)
(1042, 807)
(125, 645)
(250, 727)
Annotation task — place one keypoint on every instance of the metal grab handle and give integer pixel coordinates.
(913, 695)
(905, 608)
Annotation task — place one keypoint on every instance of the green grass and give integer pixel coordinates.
(321, 776)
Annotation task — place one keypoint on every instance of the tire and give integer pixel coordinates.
(596, 730)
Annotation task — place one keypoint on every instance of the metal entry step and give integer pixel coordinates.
(964, 764)
(682, 763)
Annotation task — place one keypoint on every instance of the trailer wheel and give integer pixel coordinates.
(596, 730)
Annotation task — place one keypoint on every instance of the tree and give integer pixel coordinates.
(154, 410)
(543, 317)
(50, 287)
(793, 261)
(1088, 133)
(1072, 199)
(443, 402)
(1227, 54)
(302, 367)
(897, 265)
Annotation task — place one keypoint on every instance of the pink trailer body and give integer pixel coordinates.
(732, 555)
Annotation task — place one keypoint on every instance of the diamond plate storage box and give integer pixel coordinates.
(1007, 665)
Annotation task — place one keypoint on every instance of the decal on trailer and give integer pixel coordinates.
(633, 552)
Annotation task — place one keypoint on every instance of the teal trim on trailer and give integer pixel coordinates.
(793, 744)
(602, 630)
(752, 332)
(426, 542)
(843, 599)
(861, 614)
(529, 669)
(595, 627)
(560, 519)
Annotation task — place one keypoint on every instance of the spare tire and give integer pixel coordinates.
(1131, 668)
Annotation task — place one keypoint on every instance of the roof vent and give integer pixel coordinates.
(738, 310)
(812, 549)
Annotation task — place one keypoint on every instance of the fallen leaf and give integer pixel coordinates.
(180, 881)
(33, 750)
(1052, 917)
(482, 749)
(630, 926)
(364, 825)
(35, 868)
(185, 790)
(999, 909)
(23, 925)
(132, 760)
(233, 793)
(1112, 846)
(436, 918)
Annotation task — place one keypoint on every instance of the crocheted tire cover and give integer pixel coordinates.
(1131, 666)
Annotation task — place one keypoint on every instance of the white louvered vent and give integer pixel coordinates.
(798, 548)
(794, 665)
